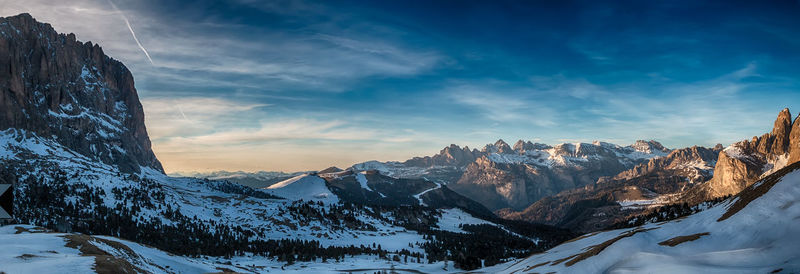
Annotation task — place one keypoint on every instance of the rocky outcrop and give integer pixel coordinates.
(452, 155)
(517, 178)
(694, 163)
(499, 147)
(794, 141)
(55, 86)
(596, 206)
(743, 163)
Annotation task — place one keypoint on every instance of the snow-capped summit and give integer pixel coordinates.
(303, 187)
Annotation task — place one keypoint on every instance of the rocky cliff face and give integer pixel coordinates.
(452, 155)
(516, 178)
(54, 86)
(612, 199)
(696, 164)
(742, 163)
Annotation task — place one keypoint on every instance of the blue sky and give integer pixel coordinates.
(302, 85)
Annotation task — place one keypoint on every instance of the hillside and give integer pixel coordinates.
(752, 232)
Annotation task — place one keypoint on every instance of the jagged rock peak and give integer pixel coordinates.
(521, 146)
(649, 146)
(794, 141)
(449, 155)
(498, 147)
(780, 132)
(55, 86)
(332, 169)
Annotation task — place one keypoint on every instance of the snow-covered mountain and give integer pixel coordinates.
(64, 89)
(659, 181)
(520, 177)
(499, 176)
(755, 231)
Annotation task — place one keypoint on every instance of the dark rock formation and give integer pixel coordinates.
(55, 86)
(452, 155)
(332, 169)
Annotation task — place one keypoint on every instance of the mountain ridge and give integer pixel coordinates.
(49, 76)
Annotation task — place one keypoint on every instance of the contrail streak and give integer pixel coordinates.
(183, 114)
(132, 33)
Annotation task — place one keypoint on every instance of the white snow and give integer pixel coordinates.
(419, 195)
(363, 181)
(572, 154)
(39, 253)
(760, 238)
(775, 164)
(42, 252)
(452, 220)
(304, 187)
(197, 199)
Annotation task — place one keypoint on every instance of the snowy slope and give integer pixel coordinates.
(303, 187)
(27, 249)
(201, 198)
(756, 231)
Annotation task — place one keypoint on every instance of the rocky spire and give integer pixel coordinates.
(521, 146)
(794, 141)
(780, 132)
(502, 147)
(744, 162)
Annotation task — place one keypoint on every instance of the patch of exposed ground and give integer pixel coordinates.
(104, 262)
(757, 189)
(596, 249)
(26, 256)
(20, 230)
(682, 239)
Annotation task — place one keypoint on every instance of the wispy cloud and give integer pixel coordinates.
(500, 103)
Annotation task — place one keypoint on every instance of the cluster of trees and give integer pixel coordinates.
(666, 213)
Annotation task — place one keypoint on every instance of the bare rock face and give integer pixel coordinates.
(55, 86)
(780, 133)
(499, 185)
(743, 163)
(596, 206)
(452, 155)
(693, 163)
(732, 174)
(794, 141)
(516, 179)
